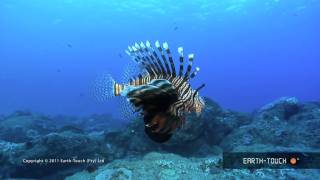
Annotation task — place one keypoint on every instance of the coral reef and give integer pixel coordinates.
(285, 122)
(52, 138)
(197, 137)
(193, 152)
(24, 126)
(64, 145)
(170, 166)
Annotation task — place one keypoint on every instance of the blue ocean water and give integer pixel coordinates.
(250, 51)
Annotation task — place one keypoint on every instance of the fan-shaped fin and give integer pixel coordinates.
(149, 58)
(187, 74)
(156, 58)
(157, 44)
(180, 51)
(145, 55)
(173, 68)
(195, 72)
(136, 52)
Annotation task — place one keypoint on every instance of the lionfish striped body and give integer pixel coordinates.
(162, 95)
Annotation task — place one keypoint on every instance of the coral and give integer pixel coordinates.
(168, 174)
(282, 108)
(150, 167)
(23, 126)
(274, 125)
(196, 137)
(194, 152)
(62, 145)
(115, 174)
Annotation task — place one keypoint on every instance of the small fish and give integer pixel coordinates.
(120, 55)
(175, 28)
(162, 96)
(69, 45)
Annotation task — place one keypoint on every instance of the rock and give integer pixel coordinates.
(197, 136)
(283, 108)
(132, 141)
(23, 126)
(284, 123)
(220, 125)
(170, 166)
(121, 174)
(71, 128)
(272, 148)
(98, 123)
(195, 126)
(8, 150)
(168, 174)
(65, 145)
(191, 131)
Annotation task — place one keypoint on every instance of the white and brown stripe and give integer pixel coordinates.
(145, 55)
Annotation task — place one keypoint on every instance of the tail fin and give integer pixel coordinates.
(105, 88)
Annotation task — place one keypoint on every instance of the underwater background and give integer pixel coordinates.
(250, 51)
(259, 60)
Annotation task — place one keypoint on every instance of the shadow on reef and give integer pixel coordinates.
(285, 124)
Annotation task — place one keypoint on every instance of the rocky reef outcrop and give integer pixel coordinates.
(174, 167)
(283, 125)
(23, 126)
(18, 159)
(285, 122)
(199, 136)
(52, 138)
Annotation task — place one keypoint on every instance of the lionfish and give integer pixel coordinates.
(162, 96)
